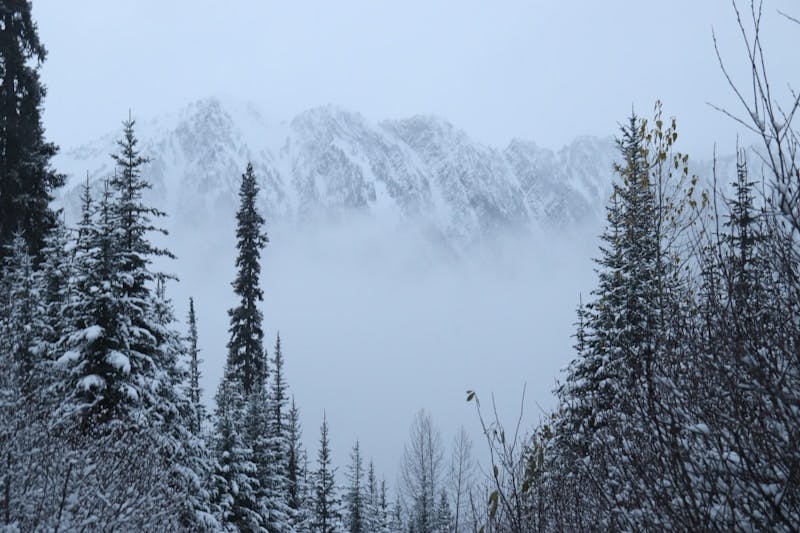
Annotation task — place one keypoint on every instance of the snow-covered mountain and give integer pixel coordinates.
(327, 163)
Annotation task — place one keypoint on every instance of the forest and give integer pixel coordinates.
(680, 409)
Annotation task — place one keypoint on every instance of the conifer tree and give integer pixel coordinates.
(183, 449)
(296, 473)
(269, 471)
(278, 402)
(277, 445)
(120, 356)
(396, 521)
(326, 516)
(257, 437)
(24, 321)
(235, 482)
(372, 521)
(133, 254)
(245, 349)
(54, 279)
(616, 350)
(244, 387)
(444, 516)
(745, 234)
(26, 177)
(88, 210)
(195, 393)
(383, 509)
(92, 350)
(354, 494)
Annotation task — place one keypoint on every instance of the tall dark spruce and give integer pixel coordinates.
(195, 393)
(326, 517)
(277, 484)
(354, 493)
(242, 490)
(296, 472)
(246, 359)
(26, 178)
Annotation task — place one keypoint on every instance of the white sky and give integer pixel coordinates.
(542, 70)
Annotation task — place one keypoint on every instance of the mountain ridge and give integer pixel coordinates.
(328, 162)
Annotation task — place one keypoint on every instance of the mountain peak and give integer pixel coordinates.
(420, 171)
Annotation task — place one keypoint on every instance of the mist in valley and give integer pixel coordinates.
(378, 322)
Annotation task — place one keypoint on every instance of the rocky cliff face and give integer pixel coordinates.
(328, 162)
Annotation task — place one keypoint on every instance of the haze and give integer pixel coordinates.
(375, 323)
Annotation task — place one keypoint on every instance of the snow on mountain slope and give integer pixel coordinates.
(329, 163)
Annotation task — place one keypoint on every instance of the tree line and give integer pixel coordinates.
(102, 422)
(681, 407)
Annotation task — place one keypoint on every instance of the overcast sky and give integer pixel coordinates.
(542, 70)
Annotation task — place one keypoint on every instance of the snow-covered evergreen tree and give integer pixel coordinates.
(184, 450)
(384, 512)
(397, 522)
(269, 470)
(298, 490)
(24, 323)
(372, 516)
(606, 381)
(94, 351)
(325, 509)
(152, 349)
(246, 455)
(121, 360)
(444, 515)
(195, 393)
(246, 361)
(354, 497)
(54, 279)
(277, 445)
(235, 482)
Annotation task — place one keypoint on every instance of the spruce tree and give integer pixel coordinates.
(55, 279)
(133, 254)
(119, 354)
(92, 349)
(236, 487)
(296, 473)
(26, 177)
(444, 516)
(326, 516)
(258, 438)
(245, 349)
(183, 449)
(745, 233)
(277, 443)
(396, 520)
(25, 320)
(372, 520)
(607, 382)
(195, 393)
(278, 402)
(244, 414)
(354, 493)
(383, 524)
